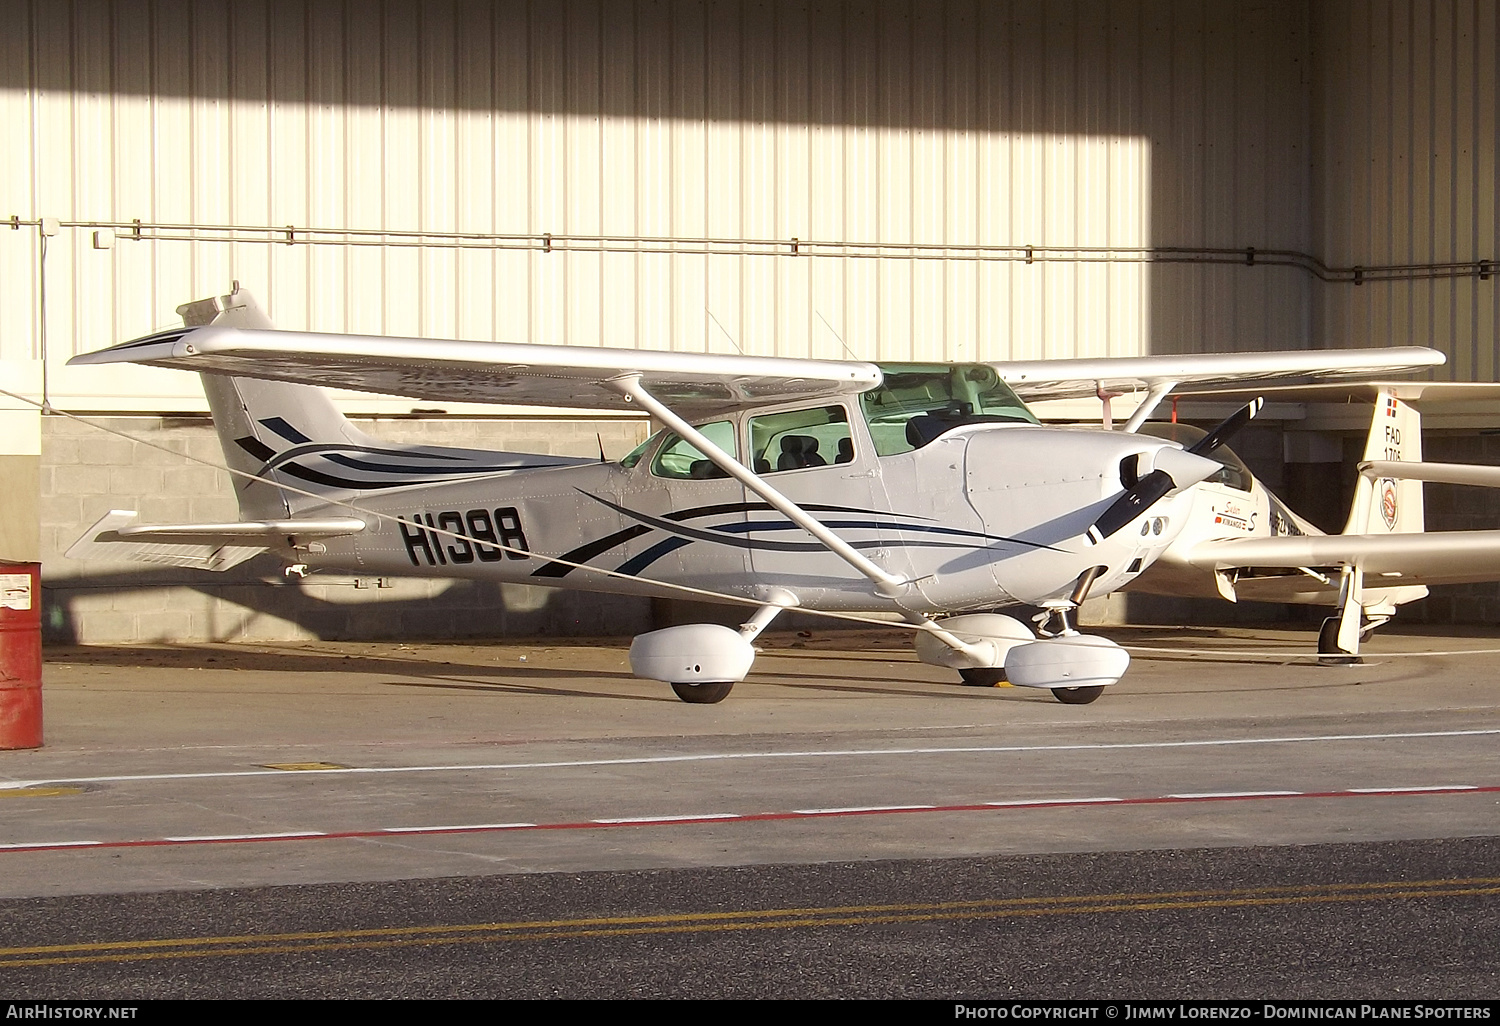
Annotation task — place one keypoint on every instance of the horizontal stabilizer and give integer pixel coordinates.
(199, 546)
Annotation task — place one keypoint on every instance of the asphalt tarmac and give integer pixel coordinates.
(528, 820)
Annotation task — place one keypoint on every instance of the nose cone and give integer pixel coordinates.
(1173, 469)
(1183, 467)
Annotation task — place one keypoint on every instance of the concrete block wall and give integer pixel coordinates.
(86, 470)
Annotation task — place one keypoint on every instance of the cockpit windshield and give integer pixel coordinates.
(916, 403)
(634, 456)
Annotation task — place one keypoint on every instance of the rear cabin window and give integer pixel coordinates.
(799, 439)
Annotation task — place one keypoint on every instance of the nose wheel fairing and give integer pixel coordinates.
(1076, 667)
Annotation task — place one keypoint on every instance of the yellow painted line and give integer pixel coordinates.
(297, 767)
(39, 792)
(748, 919)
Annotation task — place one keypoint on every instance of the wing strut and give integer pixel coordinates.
(1157, 392)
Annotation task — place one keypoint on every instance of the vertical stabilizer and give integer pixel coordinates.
(257, 420)
(1390, 505)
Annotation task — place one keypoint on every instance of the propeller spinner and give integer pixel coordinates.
(1171, 469)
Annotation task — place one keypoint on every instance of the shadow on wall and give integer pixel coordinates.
(152, 605)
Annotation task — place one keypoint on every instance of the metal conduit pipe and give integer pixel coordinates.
(550, 242)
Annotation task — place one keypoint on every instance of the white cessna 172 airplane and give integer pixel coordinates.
(931, 491)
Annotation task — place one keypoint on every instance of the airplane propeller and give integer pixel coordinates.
(1171, 469)
(1228, 428)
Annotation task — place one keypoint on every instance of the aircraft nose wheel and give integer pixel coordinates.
(983, 678)
(702, 694)
(1078, 696)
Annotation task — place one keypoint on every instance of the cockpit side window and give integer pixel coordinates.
(916, 403)
(679, 459)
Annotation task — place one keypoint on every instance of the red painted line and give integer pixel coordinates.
(1020, 805)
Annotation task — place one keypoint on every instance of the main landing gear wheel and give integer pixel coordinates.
(1078, 696)
(983, 678)
(702, 694)
(1329, 653)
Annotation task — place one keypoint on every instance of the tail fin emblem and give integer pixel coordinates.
(1388, 509)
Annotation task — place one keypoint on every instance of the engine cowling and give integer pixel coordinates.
(694, 653)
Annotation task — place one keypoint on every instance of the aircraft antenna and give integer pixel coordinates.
(727, 335)
(847, 351)
(600, 435)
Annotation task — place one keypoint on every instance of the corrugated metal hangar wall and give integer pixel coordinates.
(947, 180)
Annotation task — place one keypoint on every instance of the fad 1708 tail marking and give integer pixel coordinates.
(488, 535)
(1393, 440)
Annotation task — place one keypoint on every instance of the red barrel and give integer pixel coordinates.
(20, 655)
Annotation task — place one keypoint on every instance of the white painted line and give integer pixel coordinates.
(1255, 653)
(669, 819)
(249, 837)
(1389, 791)
(657, 760)
(53, 844)
(1023, 802)
(688, 818)
(456, 827)
(863, 808)
(1237, 794)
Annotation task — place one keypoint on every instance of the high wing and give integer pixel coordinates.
(693, 384)
(1072, 379)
